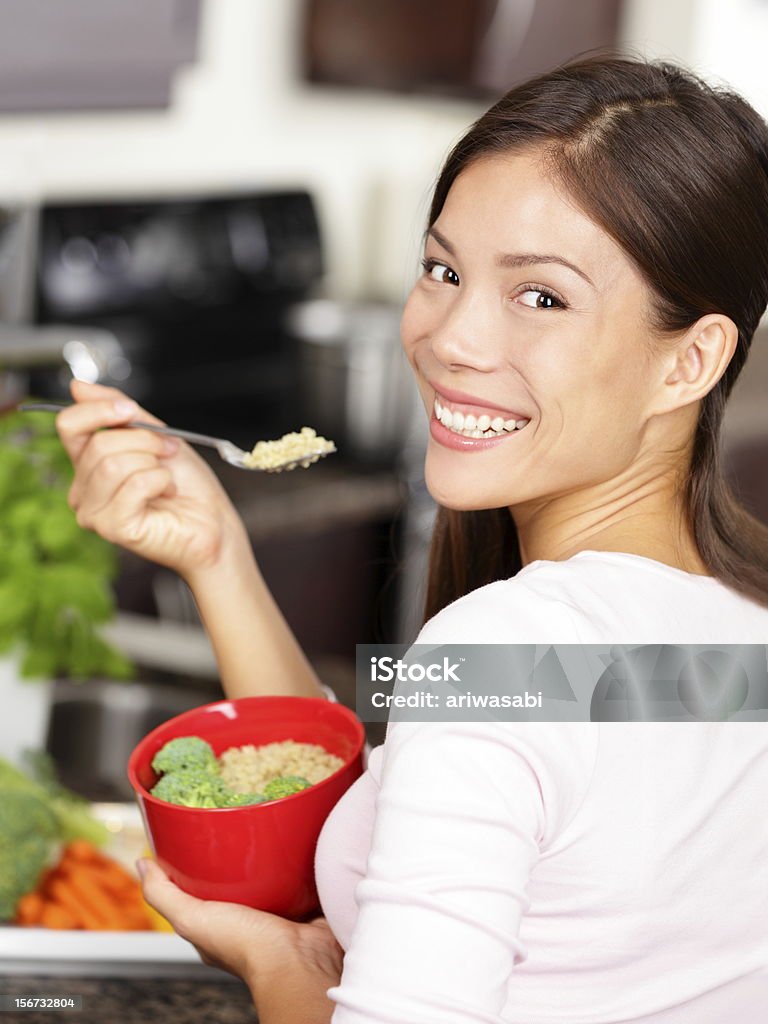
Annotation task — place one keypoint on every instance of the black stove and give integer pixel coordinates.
(195, 292)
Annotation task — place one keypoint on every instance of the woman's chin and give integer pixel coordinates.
(462, 495)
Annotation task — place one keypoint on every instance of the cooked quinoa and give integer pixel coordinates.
(268, 454)
(248, 769)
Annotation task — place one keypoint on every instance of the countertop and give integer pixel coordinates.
(133, 1000)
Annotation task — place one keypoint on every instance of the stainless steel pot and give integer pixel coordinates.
(357, 387)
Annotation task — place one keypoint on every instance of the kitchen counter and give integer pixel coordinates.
(134, 1000)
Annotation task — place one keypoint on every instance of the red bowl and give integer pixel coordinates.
(260, 855)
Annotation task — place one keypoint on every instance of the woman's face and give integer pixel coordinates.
(527, 313)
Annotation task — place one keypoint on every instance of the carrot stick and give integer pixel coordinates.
(46, 876)
(69, 899)
(137, 921)
(29, 909)
(98, 900)
(113, 877)
(55, 916)
(82, 851)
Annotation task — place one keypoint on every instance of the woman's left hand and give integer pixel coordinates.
(251, 944)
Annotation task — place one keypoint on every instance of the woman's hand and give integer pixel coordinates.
(287, 966)
(151, 494)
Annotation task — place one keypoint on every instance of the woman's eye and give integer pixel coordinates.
(539, 298)
(534, 296)
(440, 272)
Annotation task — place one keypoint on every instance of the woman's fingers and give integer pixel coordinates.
(77, 423)
(102, 466)
(122, 471)
(83, 392)
(122, 521)
(225, 935)
(167, 899)
(96, 407)
(106, 479)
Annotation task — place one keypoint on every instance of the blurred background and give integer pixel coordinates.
(218, 206)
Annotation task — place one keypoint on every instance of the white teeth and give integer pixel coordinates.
(476, 426)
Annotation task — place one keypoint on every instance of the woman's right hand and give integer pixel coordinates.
(149, 493)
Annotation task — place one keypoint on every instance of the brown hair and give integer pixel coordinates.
(676, 171)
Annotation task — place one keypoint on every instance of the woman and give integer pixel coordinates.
(594, 270)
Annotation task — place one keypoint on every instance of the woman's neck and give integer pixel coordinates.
(688, 559)
(637, 517)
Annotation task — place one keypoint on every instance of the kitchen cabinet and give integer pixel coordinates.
(89, 54)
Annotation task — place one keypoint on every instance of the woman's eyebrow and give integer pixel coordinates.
(519, 259)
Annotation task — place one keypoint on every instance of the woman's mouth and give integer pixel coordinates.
(466, 430)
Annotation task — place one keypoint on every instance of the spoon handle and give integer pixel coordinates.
(185, 435)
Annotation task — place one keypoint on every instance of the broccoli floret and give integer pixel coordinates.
(201, 789)
(192, 788)
(29, 831)
(172, 788)
(286, 785)
(184, 753)
(244, 799)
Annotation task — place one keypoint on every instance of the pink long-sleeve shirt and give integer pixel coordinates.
(543, 873)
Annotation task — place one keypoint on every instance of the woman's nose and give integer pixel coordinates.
(465, 337)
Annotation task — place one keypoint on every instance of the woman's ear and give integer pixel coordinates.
(697, 361)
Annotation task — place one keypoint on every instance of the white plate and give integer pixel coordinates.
(84, 953)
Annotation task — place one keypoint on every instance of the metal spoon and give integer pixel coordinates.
(228, 451)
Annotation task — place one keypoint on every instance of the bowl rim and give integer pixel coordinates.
(141, 791)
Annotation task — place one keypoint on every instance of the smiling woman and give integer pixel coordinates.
(594, 270)
(636, 197)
